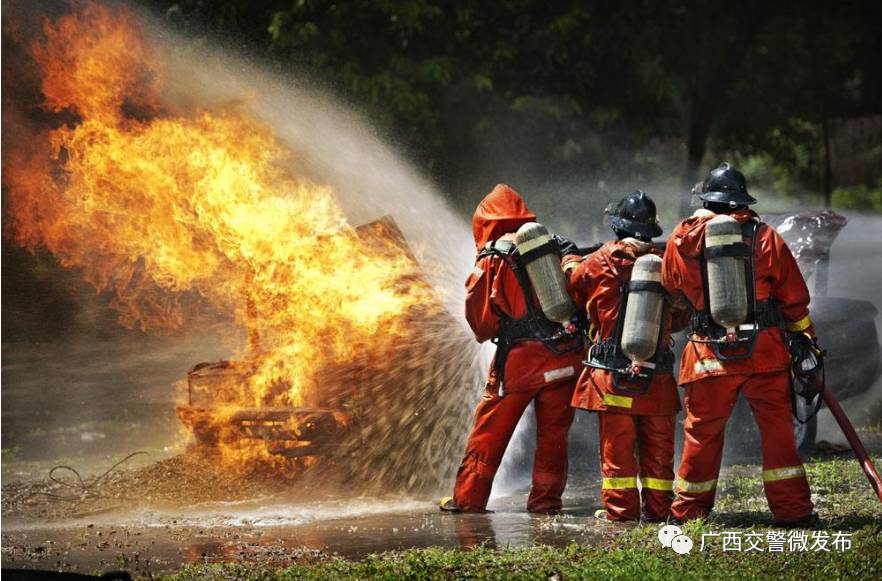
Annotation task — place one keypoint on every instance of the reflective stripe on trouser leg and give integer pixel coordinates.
(709, 403)
(784, 480)
(655, 444)
(657, 484)
(618, 465)
(621, 497)
(685, 486)
(619, 482)
(775, 474)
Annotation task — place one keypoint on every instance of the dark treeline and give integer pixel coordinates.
(588, 90)
(557, 98)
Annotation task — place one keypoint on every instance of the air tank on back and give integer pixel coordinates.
(643, 311)
(727, 287)
(545, 273)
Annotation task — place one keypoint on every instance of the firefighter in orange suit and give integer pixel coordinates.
(750, 357)
(636, 421)
(530, 364)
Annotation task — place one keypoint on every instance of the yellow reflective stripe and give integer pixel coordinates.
(705, 486)
(620, 482)
(783, 473)
(617, 400)
(571, 264)
(800, 325)
(592, 330)
(657, 483)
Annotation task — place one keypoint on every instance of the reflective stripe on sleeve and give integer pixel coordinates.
(620, 482)
(705, 486)
(800, 325)
(657, 483)
(783, 473)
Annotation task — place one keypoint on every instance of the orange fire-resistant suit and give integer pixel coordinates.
(712, 385)
(636, 431)
(532, 372)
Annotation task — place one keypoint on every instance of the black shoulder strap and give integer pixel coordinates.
(749, 231)
(620, 318)
(507, 250)
(624, 289)
(705, 288)
(501, 248)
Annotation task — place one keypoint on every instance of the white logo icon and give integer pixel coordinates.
(672, 537)
(667, 533)
(681, 544)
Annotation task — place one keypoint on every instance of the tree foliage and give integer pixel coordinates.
(583, 86)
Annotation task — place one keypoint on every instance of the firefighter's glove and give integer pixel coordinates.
(806, 364)
(565, 245)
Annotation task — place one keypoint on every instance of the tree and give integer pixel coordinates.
(579, 89)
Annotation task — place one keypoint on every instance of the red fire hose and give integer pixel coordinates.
(859, 451)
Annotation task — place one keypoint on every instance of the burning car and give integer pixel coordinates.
(397, 410)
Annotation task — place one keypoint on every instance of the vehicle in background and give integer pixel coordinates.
(846, 328)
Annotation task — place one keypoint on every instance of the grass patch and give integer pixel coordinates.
(637, 555)
(839, 489)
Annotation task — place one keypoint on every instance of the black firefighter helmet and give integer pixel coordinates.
(635, 215)
(726, 185)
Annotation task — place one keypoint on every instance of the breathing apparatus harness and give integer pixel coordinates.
(534, 326)
(760, 314)
(607, 353)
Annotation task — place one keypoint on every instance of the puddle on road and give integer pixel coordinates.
(152, 541)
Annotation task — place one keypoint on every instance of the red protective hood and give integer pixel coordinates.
(502, 211)
(690, 234)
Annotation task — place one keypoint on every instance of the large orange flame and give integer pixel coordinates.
(173, 212)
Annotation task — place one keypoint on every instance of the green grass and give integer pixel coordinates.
(636, 555)
(839, 489)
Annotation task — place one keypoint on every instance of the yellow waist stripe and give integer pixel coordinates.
(657, 483)
(617, 400)
(800, 325)
(705, 486)
(620, 482)
(783, 473)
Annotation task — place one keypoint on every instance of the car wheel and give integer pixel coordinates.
(806, 433)
(743, 441)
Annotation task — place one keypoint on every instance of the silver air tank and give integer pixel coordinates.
(726, 284)
(643, 311)
(545, 273)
